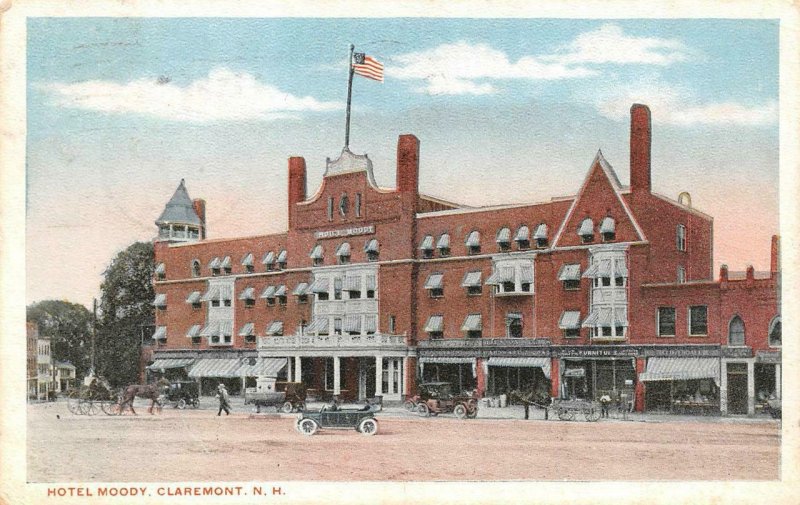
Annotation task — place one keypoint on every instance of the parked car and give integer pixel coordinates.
(331, 417)
(183, 393)
(434, 398)
(286, 397)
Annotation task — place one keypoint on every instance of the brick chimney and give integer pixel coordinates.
(199, 206)
(297, 184)
(723, 274)
(640, 149)
(775, 261)
(408, 163)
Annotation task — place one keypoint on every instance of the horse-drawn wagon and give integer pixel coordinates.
(567, 410)
(94, 396)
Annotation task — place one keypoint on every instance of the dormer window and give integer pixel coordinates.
(343, 253)
(317, 255)
(586, 231)
(247, 263)
(523, 238)
(607, 229)
(540, 236)
(426, 247)
(196, 268)
(371, 248)
(473, 242)
(226, 265)
(269, 261)
(282, 259)
(443, 245)
(216, 266)
(504, 239)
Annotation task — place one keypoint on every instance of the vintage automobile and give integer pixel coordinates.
(183, 393)
(434, 398)
(286, 397)
(363, 420)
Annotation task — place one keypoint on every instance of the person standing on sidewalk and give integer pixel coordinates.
(224, 403)
(605, 400)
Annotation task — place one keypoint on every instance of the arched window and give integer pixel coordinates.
(195, 268)
(775, 332)
(736, 331)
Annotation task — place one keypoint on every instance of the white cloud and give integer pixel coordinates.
(223, 95)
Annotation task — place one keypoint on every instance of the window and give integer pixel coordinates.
(337, 288)
(282, 259)
(608, 229)
(473, 242)
(437, 292)
(572, 332)
(330, 208)
(472, 281)
(666, 321)
(215, 302)
(358, 205)
(344, 204)
(371, 248)
(514, 325)
(435, 285)
(196, 340)
(698, 320)
(322, 296)
(343, 253)
(250, 339)
(572, 284)
(161, 271)
(426, 247)
(504, 239)
(371, 285)
(523, 238)
(570, 276)
(473, 326)
(337, 326)
(249, 303)
(681, 275)
(392, 325)
(586, 231)
(329, 373)
(444, 245)
(435, 326)
(680, 237)
(247, 263)
(736, 331)
(775, 332)
(226, 302)
(226, 265)
(540, 235)
(317, 255)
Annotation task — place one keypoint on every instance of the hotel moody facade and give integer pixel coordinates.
(372, 290)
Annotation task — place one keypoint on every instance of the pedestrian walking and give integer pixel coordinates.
(224, 404)
(605, 400)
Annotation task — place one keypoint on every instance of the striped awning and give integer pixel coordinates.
(170, 363)
(427, 243)
(320, 285)
(247, 330)
(473, 239)
(681, 369)
(160, 333)
(194, 297)
(319, 325)
(269, 258)
(249, 293)
(352, 283)
(370, 323)
(317, 252)
(607, 225)
(526, 274)
(471, 279)
(226, 292)
(586, 228)
(215, 367)
(571, 272)
(282, 256)
(435, 323)
(261, 367)
(160, 300)
(194, 331)
(620, 270)
(501, 275)
(371, 245)
(600, 268)
(161, 269)
(247, 261)
(226, 328)
(523, 234)
(274, 328)
(472, 323)
(570, 319)
(280, 290)
(605, 317)
(210, 329)
(435, 281)
(352, 323)
(443, 242)
(371, 282)
(301, 289)
(226, 262)
(445, 359)
(343, 249)
(543, 363)
(503, 236)
(541, 232)
(215, 263)
(269, 292)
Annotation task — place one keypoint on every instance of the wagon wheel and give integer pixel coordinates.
(73, 405)
(92, 407)
(460, 411)
(181, 404)
(110, 408)
(307, 426)
(287, 408)
(591, 414)
(423, 410)
(368, 427)
(409, 406)
(565, 414)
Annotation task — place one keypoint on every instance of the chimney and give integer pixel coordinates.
(723, 274)
(750, 275)
(297, 184)
(774, 261)
(199, 206)
(640, 149)
(408, 163)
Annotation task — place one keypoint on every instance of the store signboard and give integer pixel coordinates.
(771, 356)
(346, 232)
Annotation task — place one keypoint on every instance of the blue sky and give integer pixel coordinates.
(512, 110)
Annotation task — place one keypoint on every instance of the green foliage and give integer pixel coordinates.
(69, 326)
(126, 311)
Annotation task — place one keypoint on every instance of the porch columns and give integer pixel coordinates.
(751, 388)
(406, 378)
(778, 381)
(337, 380)
(298, 365)
(379, 375)
(723, 388)
(288, 369)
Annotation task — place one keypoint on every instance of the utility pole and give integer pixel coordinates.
(94, 332)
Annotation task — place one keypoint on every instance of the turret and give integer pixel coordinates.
(180, 221)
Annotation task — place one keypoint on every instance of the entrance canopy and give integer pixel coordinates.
(170, 363)
(679, 369)
(216, 367)
(543, 363)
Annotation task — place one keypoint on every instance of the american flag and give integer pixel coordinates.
(367, 66)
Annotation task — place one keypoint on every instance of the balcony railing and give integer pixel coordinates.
(311, 341)
(456, 343)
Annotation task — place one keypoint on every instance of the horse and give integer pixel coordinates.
(147, 391)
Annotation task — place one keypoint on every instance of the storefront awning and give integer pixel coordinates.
(679, 369)
(215, 367)
(261, 367)
(543, 363)
(170, 363)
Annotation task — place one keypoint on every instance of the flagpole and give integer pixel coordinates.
(349, 96)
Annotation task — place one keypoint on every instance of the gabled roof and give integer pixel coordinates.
(179, 209)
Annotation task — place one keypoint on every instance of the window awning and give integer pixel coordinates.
(504, 236)
(620, 270)
(194, 331)
(215, 367)
(427, 243)
(587, 227)
(226, 328)
(210, 329)
(501, 275)
(526, 274)
(161, 269)
(170, 363)
(282, 256)
(211, 294)
(607, 225)
(443, 242)
(160, 300)
(605, 317)
(570, 320)
(247, 261)
(269, 258)
(471, 279)
(320, 285)
(435, 323)
(301, 289)
(541, 232)
(343, 249)
(371, 282)
(194, 297)
(370, 323)
(681, 369)
(260, 367)
(160, 333)
(274, 328)
(317, 252)
(543, 363)
(472, 323)
(571, 272)
(226, 262)
(352, 322)
(600, 268)
(352, 283)
(319, 325)
(371, 245)
(249, 293)
(473, 239)
(280, 290)
(445, 359)
(247, 330)
(435, 281)
(215, 263)
(523, 234)
(269, 292)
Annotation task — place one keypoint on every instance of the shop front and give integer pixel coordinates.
(460, 372)
(682, 385)
(507, 374)
(589, 379)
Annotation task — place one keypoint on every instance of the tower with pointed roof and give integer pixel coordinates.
(183, 219)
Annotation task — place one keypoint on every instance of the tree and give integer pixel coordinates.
(69, 326)
(126, 309)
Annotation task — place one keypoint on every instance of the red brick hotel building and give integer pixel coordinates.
(372, 290)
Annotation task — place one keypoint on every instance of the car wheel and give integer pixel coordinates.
(181, 404)
(409, 406)
(591, 414)
(423, 410)
(368, 427)
(308, 426)
(460, 411)
(287, 407)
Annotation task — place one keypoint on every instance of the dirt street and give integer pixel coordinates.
(196, 445)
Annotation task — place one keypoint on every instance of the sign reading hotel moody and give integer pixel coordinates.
(345, 232)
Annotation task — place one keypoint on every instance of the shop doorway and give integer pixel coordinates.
(366, 378)
(737, 388)
(765, 381)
